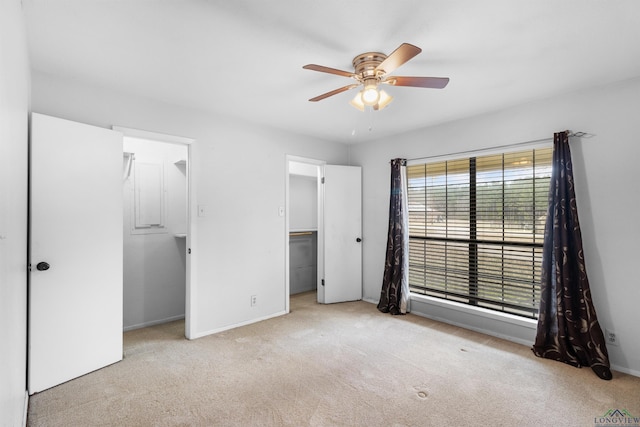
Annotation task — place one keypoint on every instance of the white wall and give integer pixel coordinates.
(154, 264)
(606, 176)
(303, 203)
(14, 107)
(238, 172)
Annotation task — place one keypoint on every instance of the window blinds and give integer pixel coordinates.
(476, 229)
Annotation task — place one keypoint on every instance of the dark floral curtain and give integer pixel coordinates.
(395, 286)
(568, 328)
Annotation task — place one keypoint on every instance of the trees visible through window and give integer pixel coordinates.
(476, 228)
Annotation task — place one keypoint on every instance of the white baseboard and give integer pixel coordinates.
(237, 325)
(625, 370)
(153, 323)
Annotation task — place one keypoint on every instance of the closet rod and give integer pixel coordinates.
(569, 134)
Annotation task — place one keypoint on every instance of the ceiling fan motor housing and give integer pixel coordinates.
(365, 66)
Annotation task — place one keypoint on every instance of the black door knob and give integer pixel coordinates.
(358, 240)
(42, 266)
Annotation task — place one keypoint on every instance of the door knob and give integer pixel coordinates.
(42, 266)
(358, 240)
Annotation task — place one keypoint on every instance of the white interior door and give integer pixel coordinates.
(75, 297)
(342, 192)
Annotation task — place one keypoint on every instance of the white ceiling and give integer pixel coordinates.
(244, 57)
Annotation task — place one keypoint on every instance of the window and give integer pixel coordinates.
(476, 228)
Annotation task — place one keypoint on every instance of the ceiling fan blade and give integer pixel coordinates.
(329, 70)
(398, 57)
(333, 92)
(428, 82)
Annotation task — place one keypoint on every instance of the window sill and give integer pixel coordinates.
(502, 325)
(477, 311)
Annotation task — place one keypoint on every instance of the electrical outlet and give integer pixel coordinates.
(610, 337)
(254, 300)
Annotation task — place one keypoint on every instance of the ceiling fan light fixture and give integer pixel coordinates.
(385, 99)
(357, 101)
(370, 94)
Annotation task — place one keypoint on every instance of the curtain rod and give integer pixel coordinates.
(569, 134)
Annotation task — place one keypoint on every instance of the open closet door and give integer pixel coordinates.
(342, 191)
(75, 278)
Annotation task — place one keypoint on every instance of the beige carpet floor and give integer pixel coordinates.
(332, 365)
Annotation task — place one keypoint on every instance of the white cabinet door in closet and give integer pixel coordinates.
(75, 288)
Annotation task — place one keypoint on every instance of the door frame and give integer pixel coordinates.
(189, 315)
(319, 164)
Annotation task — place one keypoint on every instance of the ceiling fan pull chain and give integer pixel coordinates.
(370, 113)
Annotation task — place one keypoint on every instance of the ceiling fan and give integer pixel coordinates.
(372, 69)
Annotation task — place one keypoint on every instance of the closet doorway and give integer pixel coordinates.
(156, 226)
(338, 229)
(304, 255)
(303, 227)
